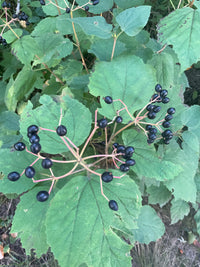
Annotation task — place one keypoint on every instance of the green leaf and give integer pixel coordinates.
(145, 155)
(190, 117)
(18, 88)
(197, 219)
(2, 94)
(121, 79)
(11, 160)
(159, 195)
(180, 29)
(96, 26)
(10, 36)
(178, 210)
(103, 6)
(85, 221)
(150, 226)
(129, 3)
(47, 116)
(102, 49)
(29, 221)
(184, 185)
(46, 25)
(133, 20)
(64, 25)
(25, 49)
(55, 7)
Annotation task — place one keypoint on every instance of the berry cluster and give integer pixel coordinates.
(21, 16)
(6, 5)
(3, 41)
(94, 3)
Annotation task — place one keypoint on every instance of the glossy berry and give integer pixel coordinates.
(87, 8)
(32, 129)
(154, 96)
(95, 2)
(166, 124)
(19, 146)
(115, 145)
(166, 141)
(130, 162)
(163, 93)
(124, 168)
(107, 177)
(13, 176)
(168, 117)
(148, 127)
(167, 133)
(47, 163)
(102, 123)
(153, 130)
(42, 196)
(129, 151)
(152, 136)
(171, 111)
(158, 88)
(34, 138)
(120, 149)
(150, 141)
(30, 172)
(35, 148)
(150, 107)
(14, 16)
(4, 42)
(151, 115)
(113, 205)
(61, 130)
(42, 2)
(4, 4)
(108, 99)
(156, 109)
(118, 119)
(159, 99)
(68, 10)
(165, 100)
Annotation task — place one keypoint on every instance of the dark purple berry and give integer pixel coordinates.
(107, 177)
(4, 4)
(30, 172)
(34, 138)
(153, 130)
(154, 96)
(42, 196)
(163, 93)
(108, 99)
(95, 2)
(120, 149)
(42, 2)
(129, 151)
(150, 141)
(148, 127)
(19, 146)
(102, 123)
(87, 8)
(167, 133)
(165, 100)
(61, 130)
(119, 119)
(47, 163)
(35, 148)
(158, 88)
(152, 136)
(130, 162)
(150, 107)
(151, 115)
(113, 205)
(166, 124)
(168, 117)
(14, 16)
(115, 145)
(166, 141)
(68, 10)
(171, 111)
(159, 99)
(32, 129)
(13, 176)
(124, 168)
(156, 109)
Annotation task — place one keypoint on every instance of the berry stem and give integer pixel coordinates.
(61, 115)
(119, 177)
(77, 149)
(48, 130)
(70, 149)
(101, 186)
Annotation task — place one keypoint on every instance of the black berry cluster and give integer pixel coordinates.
(151, 133)
(6, 4)
(3, 41)
(127, 153)
(34, 138)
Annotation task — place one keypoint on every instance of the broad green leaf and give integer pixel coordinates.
(102, 49)
(94, 26)
(133, 20)
(103, 6)
(9, 125)
(129, 3)
(11, 160)
(159, 195)
(197, 182)
(10, 36)
(64, 25)
(25, 49)
(47, 116)
(29, 221)
(191, 118)
(17, 89)
(79, 222)
(55, 7)
(46, 25)
(197, 219)
(2, 94)
(150, 226)
(180, 29)
(126, 78)
(148, 162)
(178, 210)
(183, 185)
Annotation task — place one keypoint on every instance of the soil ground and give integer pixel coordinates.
(172, 250)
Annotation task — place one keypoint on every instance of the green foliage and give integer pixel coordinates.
(58, 70)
